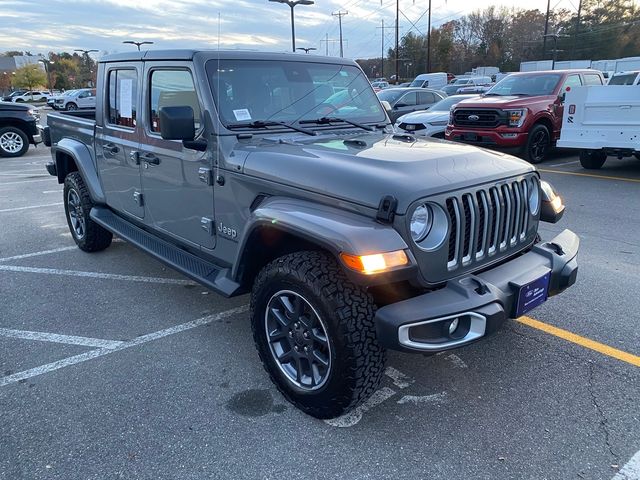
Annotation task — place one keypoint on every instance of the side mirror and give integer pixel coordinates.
(177, 123)
(386, 105)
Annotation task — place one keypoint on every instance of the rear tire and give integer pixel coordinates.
(592, 159)
(88, 235)
(538, 144)
(315, 334)
(13, 142)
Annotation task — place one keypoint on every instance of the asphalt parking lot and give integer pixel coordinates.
(114, 366)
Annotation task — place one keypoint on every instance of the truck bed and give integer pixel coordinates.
(79, 125)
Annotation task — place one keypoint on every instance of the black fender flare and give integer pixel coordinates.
(84, 162)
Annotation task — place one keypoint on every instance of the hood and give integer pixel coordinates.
(424, 116)
(363, 168)
(506, 101)
(12, 106)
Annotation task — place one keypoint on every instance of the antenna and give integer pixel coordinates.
(218, 148)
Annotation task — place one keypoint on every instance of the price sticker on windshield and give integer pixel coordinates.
(242, 114)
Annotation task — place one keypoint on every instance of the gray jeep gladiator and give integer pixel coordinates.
(280, 175)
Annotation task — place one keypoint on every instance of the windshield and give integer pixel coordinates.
(417, 83)
(626, 79)
(529, 85)
(69, 92)
(445, 104)
(390, 95)
(247, 91)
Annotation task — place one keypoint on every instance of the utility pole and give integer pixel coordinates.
(327, 41)
(555, 37)
(340, 14)
(575, 35)
(397, 41)
(382, 50)
(546, 30)
(429, 40)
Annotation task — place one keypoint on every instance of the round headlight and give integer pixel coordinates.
(534, 197)
(420, 222)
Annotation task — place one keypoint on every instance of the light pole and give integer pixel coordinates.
(137, 44)
(47, 68)
(409, 64)
(292, 4)
(306, 49)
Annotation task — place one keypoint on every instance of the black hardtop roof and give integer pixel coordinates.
(186, 55)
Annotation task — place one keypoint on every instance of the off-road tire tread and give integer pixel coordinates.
(96, 238)
(354, 311)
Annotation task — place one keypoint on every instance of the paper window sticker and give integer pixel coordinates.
(242, 114)
(126, 98)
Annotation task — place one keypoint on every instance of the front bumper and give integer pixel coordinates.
(500, 137)
(481, 302)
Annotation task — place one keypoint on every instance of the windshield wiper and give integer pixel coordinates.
(270, 123)
(326, 120)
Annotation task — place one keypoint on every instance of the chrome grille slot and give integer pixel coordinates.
(487, 222)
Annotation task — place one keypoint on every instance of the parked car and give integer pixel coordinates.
(380, 85)
(522, 112)
(405, 100)
(9, 98)
(435, 80)
(457, 84)
(350, 238)
(32, 96)
(595, 123)
(18, 129)
(431, 122)
(625, 78)
(76, 100)
(477, 89)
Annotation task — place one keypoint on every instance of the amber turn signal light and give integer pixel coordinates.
(375, 263)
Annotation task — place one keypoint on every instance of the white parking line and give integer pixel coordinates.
(37, 254)
(101, 352)
(108, 276)
(23, 174)
(56, 338)
(631, 470)
(562, 164)
(27, 181)
(17, 209)
(399, 379)
(436, 397)
(354, 416)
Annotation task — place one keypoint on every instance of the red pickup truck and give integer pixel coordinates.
(522, 112)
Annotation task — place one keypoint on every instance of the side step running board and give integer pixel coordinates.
(190, 265)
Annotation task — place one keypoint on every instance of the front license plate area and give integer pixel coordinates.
(470, 137)
(532, 295)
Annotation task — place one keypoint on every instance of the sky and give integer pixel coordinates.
(41, 26)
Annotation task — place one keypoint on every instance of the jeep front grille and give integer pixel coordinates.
(487, 222)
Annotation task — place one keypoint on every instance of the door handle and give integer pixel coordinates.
(151, 159)
(111, 148)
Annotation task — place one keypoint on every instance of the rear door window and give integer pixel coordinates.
(123, 95)
(592, 79)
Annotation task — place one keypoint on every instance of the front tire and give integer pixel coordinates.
(592, 159)
(88, 235)
(538, 144)
(13, 142)
(315, 335)
(71, 107)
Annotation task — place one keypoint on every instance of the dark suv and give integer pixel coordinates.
(18, 129)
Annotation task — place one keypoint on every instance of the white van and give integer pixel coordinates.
(430, 80)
